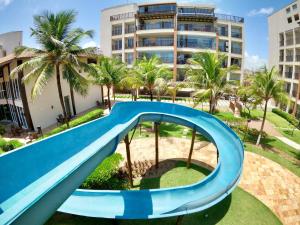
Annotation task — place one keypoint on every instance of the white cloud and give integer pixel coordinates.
(4, 3)
(254, 62)
(261, 11)
(90, 44)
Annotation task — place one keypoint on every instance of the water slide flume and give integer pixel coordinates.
(40, 178)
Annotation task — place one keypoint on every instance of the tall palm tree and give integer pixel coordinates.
(59, 54)
(132, 81)
(108, 72)
(150, 70)
(266, 85)
(207, 74)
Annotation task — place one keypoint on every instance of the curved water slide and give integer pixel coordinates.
(42, 177)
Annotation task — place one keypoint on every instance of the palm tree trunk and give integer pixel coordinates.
(108, 98)
(102, 94)
(73, 99)
(61, 95)
(263, 123)
(114, 94)
(173, 98)
(151, 95)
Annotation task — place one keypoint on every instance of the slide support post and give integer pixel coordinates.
(179, 220)
(156, 127)
(127, 144)
(191, 149)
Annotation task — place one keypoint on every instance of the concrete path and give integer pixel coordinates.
(289, 142)
(275, 186)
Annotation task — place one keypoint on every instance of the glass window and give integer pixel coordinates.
(223, 46)
(129, 58)
(296, 17)
(166, 57)
(222, 30)
(236, 32)
(196, 42)
(129, 43)
(290, 20)
(294, 6)
(117, 44)
(236, 48)
(129, 28)
(288, 10)
(116, 30)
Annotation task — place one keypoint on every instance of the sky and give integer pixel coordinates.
(18, 15)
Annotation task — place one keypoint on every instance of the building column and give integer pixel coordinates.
(229, 50)
(175, 49)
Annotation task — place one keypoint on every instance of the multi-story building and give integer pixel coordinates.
(284, 46)
(173, 32)
(16, 104)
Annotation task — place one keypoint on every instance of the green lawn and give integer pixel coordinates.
(239, 208)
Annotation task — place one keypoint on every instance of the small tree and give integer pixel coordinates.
(132, 81)
(150, 70)
(265, 86)
(173, 88)
(160, 88)
(108, 72)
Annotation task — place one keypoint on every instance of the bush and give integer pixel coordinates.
(105, 175)
(92, 115)
(250, 134)
(2, 130)
(290, 118)
(9, 145)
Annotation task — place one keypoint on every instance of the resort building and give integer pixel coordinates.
(284, 47)
(172, 31)
(16, 104)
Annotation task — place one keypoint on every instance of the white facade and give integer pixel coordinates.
(8, 42)
(284, 45)
(173, 32)
(43, 110)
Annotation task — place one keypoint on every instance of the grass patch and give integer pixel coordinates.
(274, 157)
(239, 208)
(92, 115)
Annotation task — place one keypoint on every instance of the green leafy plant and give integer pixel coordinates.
(2, 130)
(290, 118)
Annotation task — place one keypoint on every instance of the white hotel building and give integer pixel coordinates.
(16, 104)
(284, 47)
(173, 32)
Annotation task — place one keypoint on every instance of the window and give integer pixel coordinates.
(129, 58)
(294, 6)
(116, 30)
(288, 10)
(117, 45)
(296, 17)
(236, 32)
(129, 43)
(129, 28)
(290, 20)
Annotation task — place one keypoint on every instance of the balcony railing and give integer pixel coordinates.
(129, 30)
(156, 26)
(194, 44)
(235, 19)
(289, 58)
(158, 42)
(163, 59)
(116, 32)
(116, 47)
(196, 27)
(288, 74)
(223, 33)
(236, 34)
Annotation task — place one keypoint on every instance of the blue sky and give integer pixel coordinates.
(17, 15)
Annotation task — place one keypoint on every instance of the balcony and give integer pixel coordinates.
(297, 58)
(289, 42)
(154, 26)
(289, 58)
(236, 50)
(288, 74)
(150, 10)
(182, 59)
(195, 12)
(236, 34)
(195, 27)
(230, 18)
(281, 58)
(156, 43)
(129, 29)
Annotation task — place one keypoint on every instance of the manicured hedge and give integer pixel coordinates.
(290, 118)
(92, 115)
(105, 175)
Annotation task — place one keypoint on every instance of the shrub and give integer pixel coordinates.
(95, 114)
(2, 130)
(290, 118)
(250, 134)
(9, 145)
(105, 175)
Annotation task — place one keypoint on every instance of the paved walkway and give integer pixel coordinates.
(289, 142)
(272, 184)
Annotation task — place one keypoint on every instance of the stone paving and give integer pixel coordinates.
(275, 186)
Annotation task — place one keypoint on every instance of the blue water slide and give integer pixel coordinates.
(42, 177)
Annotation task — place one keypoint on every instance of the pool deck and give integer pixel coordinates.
(275, 186)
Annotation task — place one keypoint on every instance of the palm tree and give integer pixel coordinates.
(132, 81)
(266, 85)
(150, 70)
(59, 54)
(173, 87)
(209, 76)
(160, 87)
(108, 72)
